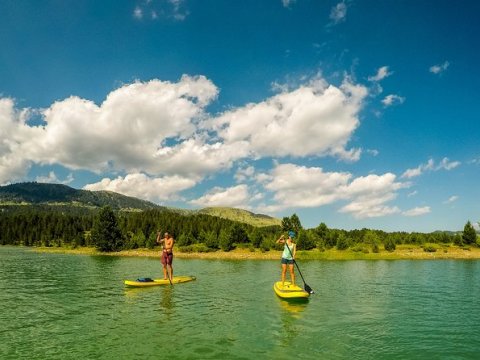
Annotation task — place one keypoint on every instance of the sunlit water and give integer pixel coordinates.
(56, 306)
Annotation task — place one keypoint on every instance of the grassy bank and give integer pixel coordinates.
(402, 252)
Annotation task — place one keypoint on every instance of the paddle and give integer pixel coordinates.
(305, 285)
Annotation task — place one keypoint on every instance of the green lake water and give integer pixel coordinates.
(56, 306)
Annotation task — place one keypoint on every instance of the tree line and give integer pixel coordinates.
(114, 231)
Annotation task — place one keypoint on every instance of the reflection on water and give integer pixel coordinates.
(166, 298)
(294, 307)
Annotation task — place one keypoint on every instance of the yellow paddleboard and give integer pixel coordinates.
(289, 291)
(156, 282)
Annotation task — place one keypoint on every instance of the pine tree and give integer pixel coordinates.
(225, 240)
(469, 235)
(106, 234)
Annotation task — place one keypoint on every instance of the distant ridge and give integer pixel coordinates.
(33, 193)
(241, 215)
(46, 196)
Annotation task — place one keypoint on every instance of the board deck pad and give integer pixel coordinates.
(140, 282)
(289, 291)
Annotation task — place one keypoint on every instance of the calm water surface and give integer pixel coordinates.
(56, 306)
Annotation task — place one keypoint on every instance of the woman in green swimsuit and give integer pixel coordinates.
(288, 256)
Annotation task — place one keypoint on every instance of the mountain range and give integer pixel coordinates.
(58, 196)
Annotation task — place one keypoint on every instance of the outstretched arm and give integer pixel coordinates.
(159, 240)
(281, 240)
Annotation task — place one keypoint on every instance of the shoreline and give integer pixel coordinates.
(403, 252)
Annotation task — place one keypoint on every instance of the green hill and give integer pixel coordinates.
(42, 196)
(240, 215)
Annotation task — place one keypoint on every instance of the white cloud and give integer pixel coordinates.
(144, 187)
(409, 173)
(417, 211)
(52, 178)
(440, 68)
(475, 161)
(451, 199)
(392, 99)
(236, 196)
(160, 129)
(370, 194)
(14, 133)
(124, 133)
(173, 9)
(413, 193)
(299, 186)
(338, 13)
(314, 119)
(194, 157)
(381, 74)
(445, 164)
(287, 3)
(245, 173)
(138, 13)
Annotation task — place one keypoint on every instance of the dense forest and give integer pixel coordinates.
(110, 230)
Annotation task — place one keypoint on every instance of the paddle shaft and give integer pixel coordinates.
(307, 288)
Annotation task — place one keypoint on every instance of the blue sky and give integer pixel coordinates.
(353, 113)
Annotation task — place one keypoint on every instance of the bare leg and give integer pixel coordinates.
(171, 272)
(284, 271)
(165, 272)
(292, 274)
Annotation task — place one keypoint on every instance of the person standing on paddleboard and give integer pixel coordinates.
(288, 256)
(167, 254)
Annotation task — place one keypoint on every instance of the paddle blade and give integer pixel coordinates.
(309, 289)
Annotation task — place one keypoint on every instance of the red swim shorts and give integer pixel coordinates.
(167, 258)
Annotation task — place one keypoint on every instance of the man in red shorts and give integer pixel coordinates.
(167, 254)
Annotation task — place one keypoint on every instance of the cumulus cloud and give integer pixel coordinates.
(300, 186)
(160, 129)
(236, 197)
(245, 173)
(370, 194)
(14, 135)
(144, 187)
(338, 13)
(392, 99)
(445, 164)
(52, 178)
(296, 186)
(381, 74)
(125, 132)
(313, 119)
(417, 211)
(440, 68)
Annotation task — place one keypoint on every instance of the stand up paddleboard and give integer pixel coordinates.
(144, 282)
(289, 291)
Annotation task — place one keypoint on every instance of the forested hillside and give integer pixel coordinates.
(61, 195)
(34, 214)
